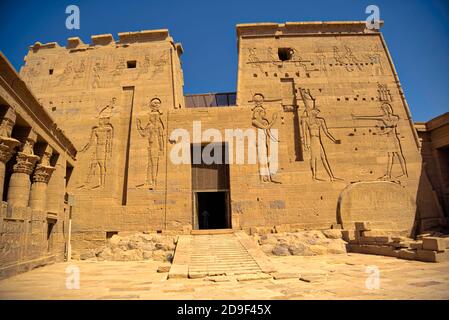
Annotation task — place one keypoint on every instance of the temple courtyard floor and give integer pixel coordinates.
(345, 276)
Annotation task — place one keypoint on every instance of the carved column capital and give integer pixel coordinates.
(43, 173)
(7, 146)
(7, 122)
(25, 163)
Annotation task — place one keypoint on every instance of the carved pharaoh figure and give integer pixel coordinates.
(154, 132)
(101, 138)
(314, 127)
(264, 150)
(389, 129)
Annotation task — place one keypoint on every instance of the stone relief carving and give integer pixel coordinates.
(145, 67)
(160, 63)
(321, 57)
(80, 69)
(35, 67)
(300, 61)
(375, 59)
(389, 129)
(101, 139)
(346, 59)
(313, 127)
(271, 57)
(254, 59)
(384, 93)
(261, 122)
(96, 75)
(67, 74)
(154, 133)
(119, 66)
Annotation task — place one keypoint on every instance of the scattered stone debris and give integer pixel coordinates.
(136, 247)
(302, 243)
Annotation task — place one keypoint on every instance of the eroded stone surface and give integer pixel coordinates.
(304, 243)
(134, 247)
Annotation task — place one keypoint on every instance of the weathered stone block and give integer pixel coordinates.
(433, 243)
(348, 235)
(362, 226)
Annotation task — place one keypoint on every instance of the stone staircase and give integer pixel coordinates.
(198, 256)
(220, 254)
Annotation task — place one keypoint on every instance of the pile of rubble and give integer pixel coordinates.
(302, 243)
(428, 247)
(134, 247)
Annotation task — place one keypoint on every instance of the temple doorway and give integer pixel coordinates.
(210, 190)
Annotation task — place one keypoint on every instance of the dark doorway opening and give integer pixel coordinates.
(213, 210)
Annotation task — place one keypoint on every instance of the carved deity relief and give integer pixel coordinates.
(375, 59)
(321, 57)
(154, 133)
(101, 138)
(66, 77)
(96, 75)
(145, 67)
(389, 129)
(346, 59)
(271, 57)
(254, 59)
(35, 68)
(80, 69)
(160, 63)
(264, 152)
(299, 61)
(313, 127)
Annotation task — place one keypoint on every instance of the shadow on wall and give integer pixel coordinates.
(430, 212)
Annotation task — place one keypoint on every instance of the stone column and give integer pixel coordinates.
(42, 174)
(7, 144)
(19, 184)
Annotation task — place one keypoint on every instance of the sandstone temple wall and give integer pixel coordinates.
(347, 146)
(35, 159)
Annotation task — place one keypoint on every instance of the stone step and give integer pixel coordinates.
(211, 254)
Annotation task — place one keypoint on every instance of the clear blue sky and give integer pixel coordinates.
(417, 34)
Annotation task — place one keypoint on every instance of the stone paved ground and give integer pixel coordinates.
(331, 276)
